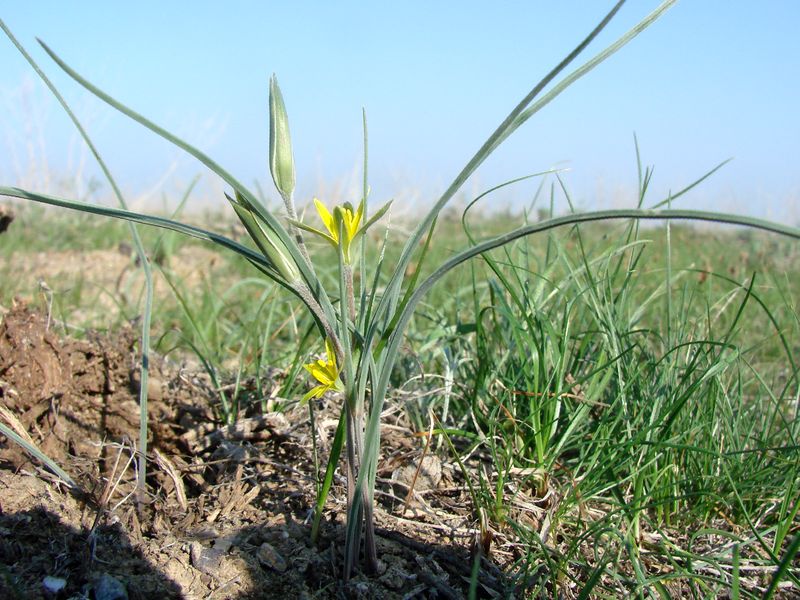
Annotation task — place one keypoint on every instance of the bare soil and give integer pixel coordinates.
(226, 512)
(6, 218)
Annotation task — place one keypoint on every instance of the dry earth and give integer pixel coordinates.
(227, 509)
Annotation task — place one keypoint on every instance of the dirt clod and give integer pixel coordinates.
(6, 217)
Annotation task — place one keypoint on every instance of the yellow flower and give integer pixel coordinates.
(326, 372)
(342, 218)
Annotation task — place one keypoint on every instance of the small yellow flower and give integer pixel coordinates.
(350, 222)
(344, 219)
(326, 372)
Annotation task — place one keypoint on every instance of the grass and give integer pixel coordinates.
(639, 383)
(663, 400)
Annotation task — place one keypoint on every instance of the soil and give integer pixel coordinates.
(226, 510)
(6, 217)
(108, 278)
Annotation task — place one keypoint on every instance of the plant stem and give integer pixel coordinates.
(354, 405)
(311, 302)
(291, 212)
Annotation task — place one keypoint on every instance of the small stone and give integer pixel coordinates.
(53, 585)
(269, 557)
(155, 388)
(426, 477)
(204, 559)
(108, 588)
(196, 553)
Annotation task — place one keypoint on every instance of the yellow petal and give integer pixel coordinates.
(359, 214)
(330, 351)
(327, 219)
(325, 372)
(322, 371)
(351, 224)
(316, 392)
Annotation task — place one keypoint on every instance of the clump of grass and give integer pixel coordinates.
(636, 397)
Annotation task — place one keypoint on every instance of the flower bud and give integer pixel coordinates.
(281, 162)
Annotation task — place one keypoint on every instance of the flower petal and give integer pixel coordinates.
(351, 224)
(326, 372)
(327, 219)
(330, 351)
(323, 234)
(322, 371)
(359, 215)
(316, 392)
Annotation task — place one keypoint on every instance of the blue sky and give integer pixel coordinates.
(711, 80)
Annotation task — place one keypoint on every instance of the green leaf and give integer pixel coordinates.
(378, 214)
(35, 452)
(314, 230)
(266, 239)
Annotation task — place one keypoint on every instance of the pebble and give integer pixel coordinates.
(428, 477)
(269, 557)
(108, 588)
(155, 389)
(53, 585)
(204, 559)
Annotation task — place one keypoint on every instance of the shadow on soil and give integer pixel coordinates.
(248, 563)
(35, 544)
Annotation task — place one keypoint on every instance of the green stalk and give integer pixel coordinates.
(330, 469)
(37, 453)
